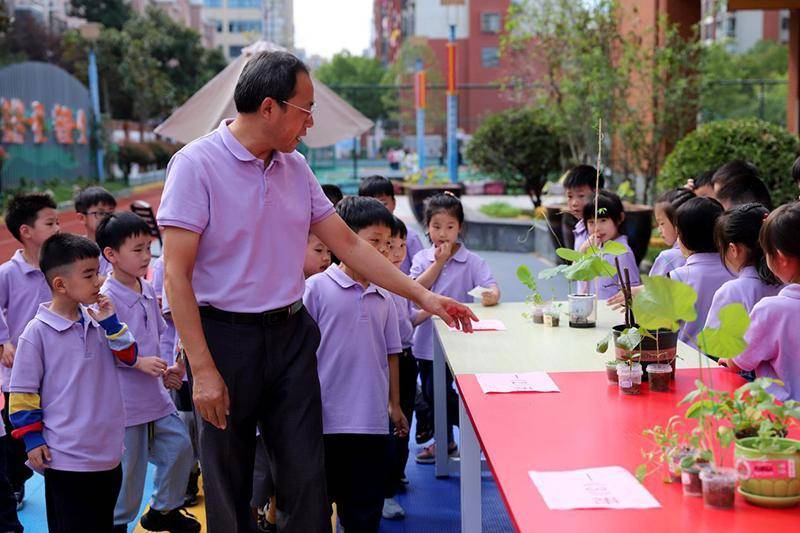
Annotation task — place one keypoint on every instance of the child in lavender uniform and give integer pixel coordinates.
(773, 346)
(92, 204)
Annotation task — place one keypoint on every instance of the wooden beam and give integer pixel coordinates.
(737, 5)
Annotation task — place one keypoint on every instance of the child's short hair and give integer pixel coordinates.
(704, 178)
(23, 209)
(375, 186)
(116, 228)
(737, 168)
(62, 250)
(360, 212)
(741, 190)
(609, 205)
(581, 175)
(779, 231)
(333, 193)
(695, 221)
(796, 171)
(446, 202)
(742, 225)
(94, 195)
(671, 200)
(399, 229)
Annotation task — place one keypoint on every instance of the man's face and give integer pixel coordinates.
(288, 123)
(577, 198)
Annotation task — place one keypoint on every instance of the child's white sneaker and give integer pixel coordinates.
(392, 510)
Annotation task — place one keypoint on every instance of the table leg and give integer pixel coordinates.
(470, 474)
(440, 407)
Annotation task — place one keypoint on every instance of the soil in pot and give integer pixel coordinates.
(538, 315)
(630, 378)
(659, 377)
(690, 479)
(719, 487)
(611, 372)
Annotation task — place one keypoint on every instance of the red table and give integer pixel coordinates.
(590, 424)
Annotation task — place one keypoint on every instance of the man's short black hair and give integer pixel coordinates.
(23, 209)
(400, 229)
(743, 189)
(736, 169)
(92, 196)
(360, 212)
(581, 175)
(62, 250)
(115, 229)
(375, 186)
(267, 75)
(695, 221)
(333, 193)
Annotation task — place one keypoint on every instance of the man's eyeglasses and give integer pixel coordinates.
(99, 214)
(303, 109)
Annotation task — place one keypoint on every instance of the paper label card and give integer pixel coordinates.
(517, 382)
(610, 487)
(487, 324)
(478, 291)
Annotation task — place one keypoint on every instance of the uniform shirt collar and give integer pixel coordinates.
(345, 281)
(58, 322)
(238, 150)
(125, 294)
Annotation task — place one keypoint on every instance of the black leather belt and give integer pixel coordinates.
(274, 316)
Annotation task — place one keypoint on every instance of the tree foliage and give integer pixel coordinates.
(519, 147)
(347, 69)
(109, 13)
(401, 72)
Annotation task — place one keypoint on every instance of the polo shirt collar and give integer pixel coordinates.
(345, 281)
(703, 258)
(749, 272)
(58, 322)
(580, 227)
(238, 150)
(22, 264)
(125, 294)
(791, 291)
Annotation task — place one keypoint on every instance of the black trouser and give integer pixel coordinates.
(81, 502)
(8, 504)
(271, 374)
(356, 467)
(263, 484)
(426, 378)
(399, 445)
(16, 455)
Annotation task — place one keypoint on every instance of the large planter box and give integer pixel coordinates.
(417, 194)
(638, 226)
(494, 187)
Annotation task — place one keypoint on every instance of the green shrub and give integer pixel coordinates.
(504, 210)
(162, 152)
(518, 147)
(772, 149)
(391, 143)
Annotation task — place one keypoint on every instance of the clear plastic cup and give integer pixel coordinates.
(719, 487)
(630, 378)
(659, 377)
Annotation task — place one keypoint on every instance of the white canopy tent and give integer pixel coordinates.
(334, 119)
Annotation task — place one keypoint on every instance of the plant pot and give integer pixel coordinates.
(690, 480)
(417, 194)
(538, 313)
(582, 310)
(659, 376)
(719, 487)
(771, 474)
(630, 378)
(494, 187)
(474, 187)
(611, 372)
(551, 319)
(649, 351)
(674, 463)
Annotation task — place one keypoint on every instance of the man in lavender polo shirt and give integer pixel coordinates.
(238, 206)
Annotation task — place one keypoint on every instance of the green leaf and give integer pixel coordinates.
(664, 303)
(641, 473)
(613, 248)
(589, 268)
(569, 254)
(727, 340)
(602, 344)
(725, 435)
(548, 273)
(525, 276)
(629, 339)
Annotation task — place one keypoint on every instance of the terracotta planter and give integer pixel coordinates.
(494, 187)
(417, 194)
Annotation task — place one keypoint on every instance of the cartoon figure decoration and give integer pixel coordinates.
(81, 128)
(13, 116)
(63, 124)
(37, 122)
(70, 127)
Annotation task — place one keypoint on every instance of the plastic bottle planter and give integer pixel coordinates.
(690, 479)
(674, 463)
(552, 317)
(719, 487)
(582, 311)
(649, 351)
(659, 377)
(630, 378)
(611, 372)
(538, 313)
(769, 479)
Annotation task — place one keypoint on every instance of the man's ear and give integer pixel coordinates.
(267, 108)
(81, 217)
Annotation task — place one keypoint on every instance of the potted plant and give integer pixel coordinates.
(583, 269)
(668, 447)
(534, 298)
(552, 314)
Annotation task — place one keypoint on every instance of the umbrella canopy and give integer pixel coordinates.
(334, 119)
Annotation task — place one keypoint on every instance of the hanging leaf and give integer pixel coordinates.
(548, 273)
(602, 344)
(727, 340)
(614, 248)
(664, 303)
(569, 254)
(589, 268)
(526, 278)
(629, 339)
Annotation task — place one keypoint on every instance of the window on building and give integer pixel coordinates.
(490, 57)
(244, 26)
(785, 23)
(212, 3)
(490, 22)
(217, 25)
(245, 3)
(235, 50)
(730, 27)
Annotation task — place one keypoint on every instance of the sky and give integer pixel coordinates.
(325, 27)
